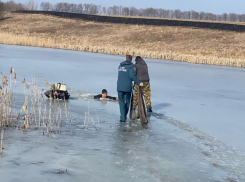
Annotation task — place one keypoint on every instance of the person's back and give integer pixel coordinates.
(124, 82)
(143, 75)
(126, 74)
(141, 69)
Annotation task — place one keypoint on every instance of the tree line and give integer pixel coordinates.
(1, 10)
(122, 10)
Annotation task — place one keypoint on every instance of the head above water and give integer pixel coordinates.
(104, 93)
(129, 58)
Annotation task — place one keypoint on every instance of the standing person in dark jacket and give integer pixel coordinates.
(143, 75)
(126, 74)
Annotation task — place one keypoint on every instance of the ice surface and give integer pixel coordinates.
(195, 132)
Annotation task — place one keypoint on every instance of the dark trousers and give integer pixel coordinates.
(124, 103)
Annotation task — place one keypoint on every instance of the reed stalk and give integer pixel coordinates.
(50, 118)
(2, 133)
(34, 110)
(66, 111)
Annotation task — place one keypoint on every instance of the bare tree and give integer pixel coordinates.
(79, 8)
(99, 9)
(211, 16)
(46, 6)
(233, 17)
(120, 10)
(58, 7)
(125, 11)
(225, 17)
(104, 10)
(72, 8)
(184, 15)
(133, 11)
(241, 18)
(65, 7)
(1, 10)
(12, 6)
(195, 15)
(109, 11)
(93, 9)
(115, 10)
(62, 7)
(202, 16)
(86, 8)
(150, 12)
(31, 5)
(177, 14)
(163, 13)
(219, 17)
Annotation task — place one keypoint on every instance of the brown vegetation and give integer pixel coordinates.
(194, 45)
(36, 112)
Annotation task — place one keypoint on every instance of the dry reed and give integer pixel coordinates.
(1, 145)
(36, 112)
(7, 115)
(33, 112)
(88, 118)
(203, 46)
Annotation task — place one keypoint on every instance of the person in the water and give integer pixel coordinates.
(104, 96)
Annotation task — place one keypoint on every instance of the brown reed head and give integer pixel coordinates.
(24, 80)
(4, 80)
(46, 82)
(11, 70)
(14, 75)
(27, 85)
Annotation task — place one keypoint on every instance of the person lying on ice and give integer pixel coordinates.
(104, 96)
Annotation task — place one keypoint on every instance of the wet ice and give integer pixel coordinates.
(194, 134)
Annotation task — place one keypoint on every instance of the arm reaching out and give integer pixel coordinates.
(133, 76)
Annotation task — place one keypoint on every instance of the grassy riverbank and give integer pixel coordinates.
(194, 45)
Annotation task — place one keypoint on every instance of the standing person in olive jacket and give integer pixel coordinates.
(126, 74)
(143, 75)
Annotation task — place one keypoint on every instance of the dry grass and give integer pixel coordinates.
(34, 111)
(194, 45)
(7, 113)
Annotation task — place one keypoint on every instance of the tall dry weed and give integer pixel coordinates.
(1, 143)
(202, 46)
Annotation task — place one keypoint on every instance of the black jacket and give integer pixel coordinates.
(108, 97)
(141, 70)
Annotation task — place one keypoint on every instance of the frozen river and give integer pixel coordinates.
(196, 130)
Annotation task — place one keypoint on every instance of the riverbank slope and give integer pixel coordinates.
(195, 45)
